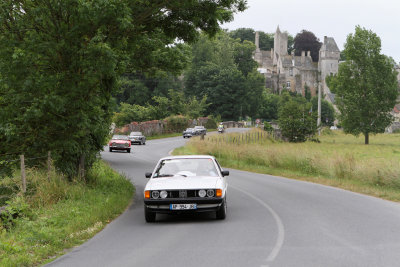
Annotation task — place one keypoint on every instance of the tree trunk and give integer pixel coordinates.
(366, 135)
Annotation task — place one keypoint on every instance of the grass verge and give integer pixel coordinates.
(159, 136)
(338, 160)
(56, 215)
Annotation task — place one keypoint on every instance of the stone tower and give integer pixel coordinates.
(280, 45)
(328, 64)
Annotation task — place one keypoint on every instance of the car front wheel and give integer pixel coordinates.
(148, 215)
(128, 150)
(221, 213)
(110, 149)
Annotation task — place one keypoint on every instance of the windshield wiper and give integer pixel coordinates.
(169, 175)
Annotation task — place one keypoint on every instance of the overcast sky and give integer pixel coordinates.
(335, 19)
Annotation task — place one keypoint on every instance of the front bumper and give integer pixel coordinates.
(119, 147)
(203, 204)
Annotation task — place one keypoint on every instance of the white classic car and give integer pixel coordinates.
(186, 184)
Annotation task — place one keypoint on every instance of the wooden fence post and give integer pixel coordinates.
(23, 176)
(48, 165)
(81, 170)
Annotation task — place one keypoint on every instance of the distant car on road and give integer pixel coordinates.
(199, 130)
(189, 132)
(186, 184)
(120, 142)
(137, 138)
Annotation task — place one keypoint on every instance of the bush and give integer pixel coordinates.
(15, 208)
(211, 123)
(268, 127)
(296, 122)
(176, 123)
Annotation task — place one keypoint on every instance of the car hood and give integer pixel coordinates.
(181, 182)
(119, 141)
(136, 136)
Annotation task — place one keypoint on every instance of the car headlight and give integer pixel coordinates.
(155, 194)
(126, 144)
(210, 193)
(202, 193)
(163, 194)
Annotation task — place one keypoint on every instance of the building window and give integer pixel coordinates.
(288, 84)
(291, 72)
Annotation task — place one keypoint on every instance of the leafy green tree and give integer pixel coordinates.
(327, 111)
(307, 92)
(60, 62)
(366, 85)
(307, 41)
(161, 108)
(129, 113)
(269, 106)
(244, 34)
(296, 122)
(243, 57)
(223, 69)
(196, 108)
(177, 102)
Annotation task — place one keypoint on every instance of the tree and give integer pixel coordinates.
(60, 62)
(223, 69)
(366, 85)
(196, 108)
(327, 111)
(269, 106)
(307, 41)
(296, 122)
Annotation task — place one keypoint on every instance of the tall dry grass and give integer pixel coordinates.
(337, 156)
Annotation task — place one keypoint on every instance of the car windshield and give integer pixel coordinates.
(120, 137)
(186, 167)
(136, 133)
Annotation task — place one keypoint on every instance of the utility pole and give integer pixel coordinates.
(319, 109)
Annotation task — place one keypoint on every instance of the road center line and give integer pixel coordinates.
(281, 230)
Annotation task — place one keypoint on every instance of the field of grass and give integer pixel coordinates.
(56, 215)
(338, 160)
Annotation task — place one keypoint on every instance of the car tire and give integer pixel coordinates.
(148, 215)
(110, 149)
(144, 142)
(128, 150)
(221, 213)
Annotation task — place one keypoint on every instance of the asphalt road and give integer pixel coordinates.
(271, 221)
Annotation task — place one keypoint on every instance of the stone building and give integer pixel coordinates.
(295, 73)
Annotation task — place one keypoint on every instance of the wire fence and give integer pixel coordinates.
(22, 159)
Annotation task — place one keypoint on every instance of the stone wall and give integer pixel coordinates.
(149, 128)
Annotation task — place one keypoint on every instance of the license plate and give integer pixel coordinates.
(182, 206)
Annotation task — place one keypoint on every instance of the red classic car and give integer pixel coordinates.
(120, 142)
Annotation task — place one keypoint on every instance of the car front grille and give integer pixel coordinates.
(183, 193)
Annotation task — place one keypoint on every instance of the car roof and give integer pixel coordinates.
(189, 157)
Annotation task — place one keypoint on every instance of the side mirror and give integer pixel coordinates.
(225, 173)
(148, 174)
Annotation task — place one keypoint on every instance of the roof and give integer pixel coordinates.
(189, 157)
(329, 45)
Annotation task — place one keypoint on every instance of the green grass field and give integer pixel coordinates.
(57, 215)
(338, 160)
